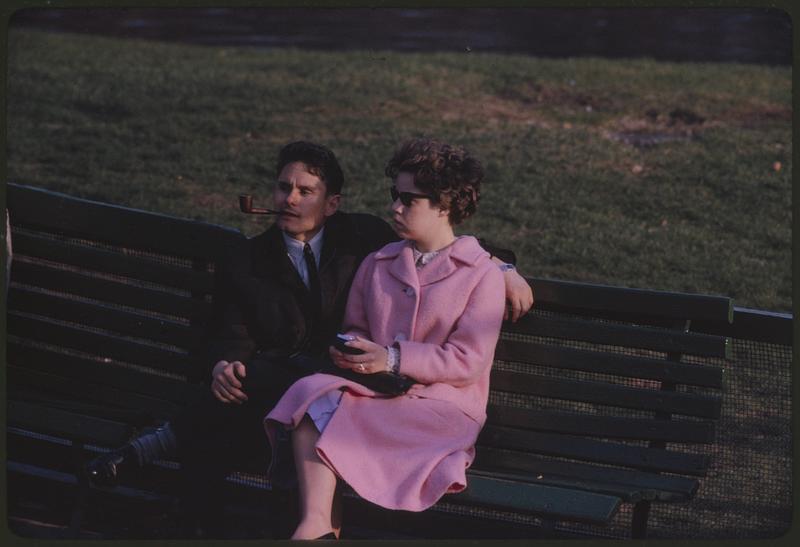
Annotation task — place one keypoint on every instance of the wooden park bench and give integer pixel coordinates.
(601, 396)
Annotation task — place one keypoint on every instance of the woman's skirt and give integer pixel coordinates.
(401, 452)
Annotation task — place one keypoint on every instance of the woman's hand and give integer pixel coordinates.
(371, 361)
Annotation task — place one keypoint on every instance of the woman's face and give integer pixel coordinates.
(422, 220)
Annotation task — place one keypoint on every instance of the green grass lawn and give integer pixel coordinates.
(701, 204)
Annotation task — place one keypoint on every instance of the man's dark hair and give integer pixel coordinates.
(448, 174)
(319, 160)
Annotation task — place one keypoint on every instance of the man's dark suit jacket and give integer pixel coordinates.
(262, 304)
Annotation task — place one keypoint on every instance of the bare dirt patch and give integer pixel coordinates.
(491, 110)
(522, 104)
(533, 93)
(657, 127)
(682, 124)
(757, 114)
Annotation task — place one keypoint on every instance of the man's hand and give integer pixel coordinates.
(225, 385)
(518, 293)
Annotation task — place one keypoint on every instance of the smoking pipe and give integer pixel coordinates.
(246, 206)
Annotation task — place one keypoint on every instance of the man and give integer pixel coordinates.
(279, 294)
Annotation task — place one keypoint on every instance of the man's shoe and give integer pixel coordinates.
(105, 469)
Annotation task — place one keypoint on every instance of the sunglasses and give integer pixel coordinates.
(406, 198)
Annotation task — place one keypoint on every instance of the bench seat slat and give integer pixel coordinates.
(603, 393)
(547, 501)
(111, 262)
(41, 478)
(69, 425)
(580, 448)
(626, 493)
(104, 290)
(89, 392)
(610, 480)
(101, 345)
(602, 426)
(622, 335)
(104, 374)
(101, 316)
(145, 230)
(609, 363)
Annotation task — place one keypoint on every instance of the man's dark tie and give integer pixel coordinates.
(313, 277)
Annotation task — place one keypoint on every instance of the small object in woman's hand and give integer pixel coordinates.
(340, 339)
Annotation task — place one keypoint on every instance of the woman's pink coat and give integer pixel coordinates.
(406, 452)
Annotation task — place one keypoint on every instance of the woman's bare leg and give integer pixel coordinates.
(317, 484)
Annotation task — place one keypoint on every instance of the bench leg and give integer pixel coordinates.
(641, 512)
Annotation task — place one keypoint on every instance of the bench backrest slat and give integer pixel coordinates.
(645, 306)
(622, 335)
(65, 424)
(43, 209)
(114, 292)
(102, 345)
(67, 387)
(89, 258)
(157, 329)
(586, 449)
(606, 394)
(601, 426)
(98, 373)
(608, 363)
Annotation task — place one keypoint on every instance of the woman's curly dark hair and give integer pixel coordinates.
(448, 174)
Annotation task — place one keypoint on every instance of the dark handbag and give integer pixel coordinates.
(387, 383)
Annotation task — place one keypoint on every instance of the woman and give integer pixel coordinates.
(429, 307)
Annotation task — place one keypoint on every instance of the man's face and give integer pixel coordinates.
(302, 199)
